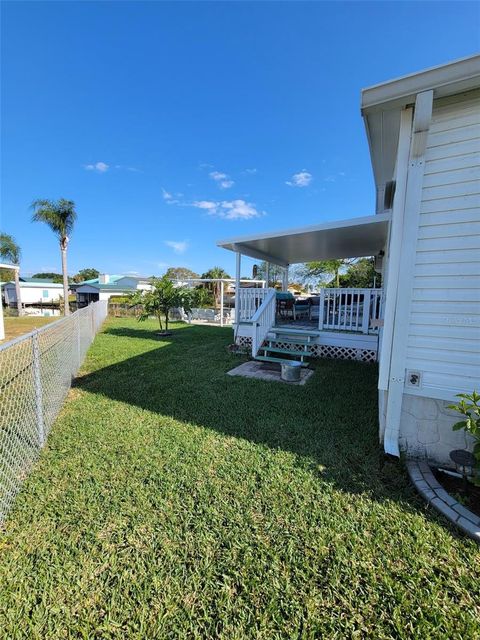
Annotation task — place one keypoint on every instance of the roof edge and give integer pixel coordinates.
(446, 79)
(331, 224)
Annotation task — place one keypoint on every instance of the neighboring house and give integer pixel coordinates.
(33, 291)
(106, 286)
(424, 136)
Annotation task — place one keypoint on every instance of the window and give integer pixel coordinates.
(45, 293)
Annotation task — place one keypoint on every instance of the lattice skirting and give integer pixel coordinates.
(324, 351)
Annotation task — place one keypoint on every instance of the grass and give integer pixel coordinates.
(173, 501)
(15, 327)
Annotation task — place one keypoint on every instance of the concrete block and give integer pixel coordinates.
(466, 513)
(469, 528)
(447, 511)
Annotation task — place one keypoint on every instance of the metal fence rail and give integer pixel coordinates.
(36, 372)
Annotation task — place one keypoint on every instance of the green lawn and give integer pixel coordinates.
(173, 501)
(15, 326)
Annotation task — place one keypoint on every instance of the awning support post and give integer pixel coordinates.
(267, 272)
(285, 279)
(221, 303)
(237, 286)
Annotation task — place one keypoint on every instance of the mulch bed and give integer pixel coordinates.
(455, 487)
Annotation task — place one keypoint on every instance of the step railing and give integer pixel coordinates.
(263, 320)
(247, 301)
(350, 309)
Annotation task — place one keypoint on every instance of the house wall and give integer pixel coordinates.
(443, 343)
(31, 294)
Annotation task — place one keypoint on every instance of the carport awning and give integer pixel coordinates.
(353, 238)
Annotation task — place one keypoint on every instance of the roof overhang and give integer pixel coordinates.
(353, 238)
(382, 104)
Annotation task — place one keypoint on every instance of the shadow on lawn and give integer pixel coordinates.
(330, 424)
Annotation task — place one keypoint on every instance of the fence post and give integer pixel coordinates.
(38, 389)
(79, 341)
(367, 295)
(321, 309)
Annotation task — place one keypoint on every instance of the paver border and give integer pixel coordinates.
(431, 490)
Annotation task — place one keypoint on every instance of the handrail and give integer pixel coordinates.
(350, 309)
(263, 320)
(247, 301)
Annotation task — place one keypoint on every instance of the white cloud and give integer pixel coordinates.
(206, 204)
(101, 167)
(301, 179)
(230, 209)
(168, 197)
(178, 247)
(251, 171)
(222, 179)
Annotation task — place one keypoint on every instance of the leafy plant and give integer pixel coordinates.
(163, 297)
(201, 297)
(469, 407)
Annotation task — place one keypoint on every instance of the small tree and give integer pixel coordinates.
(9, 250)
(322, 269)
(180, 273)
(201, 297)
(86, 274)
(161, 299)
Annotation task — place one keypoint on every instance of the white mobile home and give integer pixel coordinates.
(424, 137)
(33, 291)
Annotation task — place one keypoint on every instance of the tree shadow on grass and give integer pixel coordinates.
(330, 424)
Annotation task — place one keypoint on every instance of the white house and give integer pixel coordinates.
(33, 291)
(106, 286)
(424, 136)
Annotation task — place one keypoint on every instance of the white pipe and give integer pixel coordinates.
(221, 303)
(237, 286)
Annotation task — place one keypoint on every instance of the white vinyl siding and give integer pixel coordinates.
(444, 330)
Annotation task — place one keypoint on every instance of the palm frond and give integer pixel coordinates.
(9, 249)
(59, 215)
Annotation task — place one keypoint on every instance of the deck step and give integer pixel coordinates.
(290, 352)
(279, 360)
(294, 332)
(288, 340)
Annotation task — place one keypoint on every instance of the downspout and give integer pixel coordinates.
(395, 246)
(404, 273)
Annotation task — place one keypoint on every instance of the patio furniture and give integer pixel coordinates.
(301, 308)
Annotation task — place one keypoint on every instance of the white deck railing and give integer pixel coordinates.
(248, 301)
(263, 320)
(350, 309)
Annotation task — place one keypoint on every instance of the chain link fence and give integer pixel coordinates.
(36, 372)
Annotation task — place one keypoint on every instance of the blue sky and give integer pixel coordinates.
(173, 125)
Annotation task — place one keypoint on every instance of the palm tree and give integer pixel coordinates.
(9, 250)
(60, 216)
(215, 273)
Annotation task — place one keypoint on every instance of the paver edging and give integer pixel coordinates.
(428, 487)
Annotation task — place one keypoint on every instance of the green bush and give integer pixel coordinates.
(469, 407)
